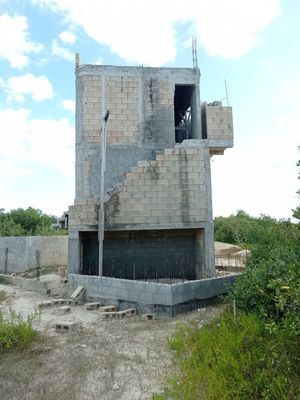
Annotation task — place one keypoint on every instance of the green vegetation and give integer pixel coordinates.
(256, 355)
(16, 333)
(230, 359)
(29, 222)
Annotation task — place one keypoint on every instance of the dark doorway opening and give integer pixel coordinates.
(183, 112)
(89, 253)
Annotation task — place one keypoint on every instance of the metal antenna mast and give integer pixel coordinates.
(226, 93)
(194, 52)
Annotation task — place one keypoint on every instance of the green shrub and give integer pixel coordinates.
(234, 360)
(270, 287)
(16, 333)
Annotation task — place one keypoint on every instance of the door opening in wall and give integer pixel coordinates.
(89, 253)
(184, 98)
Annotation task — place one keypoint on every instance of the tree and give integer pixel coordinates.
(21, 222)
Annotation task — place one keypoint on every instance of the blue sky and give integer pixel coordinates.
(254, 45)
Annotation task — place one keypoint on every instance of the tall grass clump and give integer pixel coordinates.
(16, 333)
(231, 359)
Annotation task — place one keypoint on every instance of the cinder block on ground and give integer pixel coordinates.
(65, 326)
(130, 312)
(121, 314)
(92, 306)
(58, 302)
(148, 317)
(112, 314)
(78, 293)
(65, 309)
(45, 304)
(107, 309)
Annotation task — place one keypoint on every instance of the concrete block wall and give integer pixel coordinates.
(141, 120)
(120, 95)
(21, 253)
(174, 188)
(148, 296)
(218, 125)
(84, 214)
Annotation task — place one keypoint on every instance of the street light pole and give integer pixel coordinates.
(101, 216)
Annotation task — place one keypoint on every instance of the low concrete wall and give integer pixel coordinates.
(121, 289)
(18, 254)
(27, 284)
(160, 297)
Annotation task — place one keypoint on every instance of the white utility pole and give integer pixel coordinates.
(101, 216)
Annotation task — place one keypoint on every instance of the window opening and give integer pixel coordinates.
(183, 112)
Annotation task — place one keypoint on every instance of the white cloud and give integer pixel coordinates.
(69, 105)
(15, 44)
(28, 144)
(59, 51)
(36, 162)
(144, 31)
(67, 37)
(38, 87)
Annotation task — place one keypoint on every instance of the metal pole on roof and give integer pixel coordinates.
(226, 93)
(194, 52)
(101, 216)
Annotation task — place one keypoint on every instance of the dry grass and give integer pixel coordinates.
(118, 361)
(105, 359)
(3, 296)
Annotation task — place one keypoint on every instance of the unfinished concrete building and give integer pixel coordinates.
(157, 183)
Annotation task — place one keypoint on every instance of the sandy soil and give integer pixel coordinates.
(103, 359)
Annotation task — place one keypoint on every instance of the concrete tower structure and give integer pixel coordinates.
(157, 183)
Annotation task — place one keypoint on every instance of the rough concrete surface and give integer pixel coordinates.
(105, 359)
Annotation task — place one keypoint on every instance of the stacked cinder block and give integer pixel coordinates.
(91, 107)
(171, 189)
(217, 127)
(120, 96)
(84, 214)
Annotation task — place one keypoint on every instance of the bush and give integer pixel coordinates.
(234, 360)
(16, 333)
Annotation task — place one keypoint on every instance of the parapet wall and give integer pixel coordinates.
(18, 254)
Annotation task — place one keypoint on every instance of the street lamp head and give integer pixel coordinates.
(106, 116)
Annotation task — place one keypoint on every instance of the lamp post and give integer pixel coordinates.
(101, 216)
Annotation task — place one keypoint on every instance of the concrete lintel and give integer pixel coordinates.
(169, 225)
(192, 143)
(220, 143)
(183, 73)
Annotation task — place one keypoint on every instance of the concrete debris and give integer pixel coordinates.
(66, 326)
(148, 317)
(106, 309)
(45, 304)
(92, 306)
(78, 293)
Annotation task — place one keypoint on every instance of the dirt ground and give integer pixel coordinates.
(126, 359)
